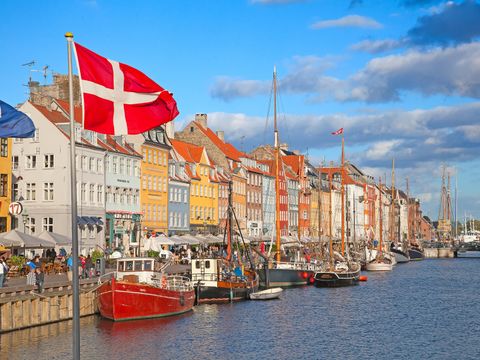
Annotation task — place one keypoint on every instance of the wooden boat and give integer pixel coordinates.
(275, 273)
(416, 253)
(340, 270)
(137, 291)
(221, 280)
(215, 281)
(273, 293)
(381, 262)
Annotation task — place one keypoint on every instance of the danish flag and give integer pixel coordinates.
(338, 132)
(119, 99)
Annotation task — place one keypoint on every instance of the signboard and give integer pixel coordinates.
(15, 208)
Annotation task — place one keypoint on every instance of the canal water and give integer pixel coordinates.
(420, 310)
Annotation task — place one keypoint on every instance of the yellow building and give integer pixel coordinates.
(5, 182)
(203, 187)
(154, 182)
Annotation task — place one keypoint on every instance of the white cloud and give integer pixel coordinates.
(382, 149)
(348, 21)
(377, 46)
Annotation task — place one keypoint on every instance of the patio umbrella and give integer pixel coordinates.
(59, 239)
(15, 238)
(162, 240)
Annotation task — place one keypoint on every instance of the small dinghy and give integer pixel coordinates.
(268, 294)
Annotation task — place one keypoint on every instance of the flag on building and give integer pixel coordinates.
(119, 99)
(14, 123)
(338, 132)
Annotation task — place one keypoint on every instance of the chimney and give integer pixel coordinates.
(221, 135)
(201, 119)
(284, 146)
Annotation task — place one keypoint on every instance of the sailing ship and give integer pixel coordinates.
(341, 270)
(140, 289)
(415, 252)
(224, 279)
(397, 247)
(289, 272)
(381, 262)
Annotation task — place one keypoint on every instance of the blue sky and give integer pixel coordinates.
(398, 75)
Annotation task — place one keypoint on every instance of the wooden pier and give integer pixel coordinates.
(23, 307)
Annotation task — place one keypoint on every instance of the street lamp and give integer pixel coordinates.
(25, 218)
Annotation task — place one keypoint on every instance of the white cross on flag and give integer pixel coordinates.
(119, 99)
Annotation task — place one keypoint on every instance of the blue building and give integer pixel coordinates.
(178, 196)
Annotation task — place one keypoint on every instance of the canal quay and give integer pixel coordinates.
(420, 310)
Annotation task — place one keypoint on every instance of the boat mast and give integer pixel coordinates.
(277, 166)
(381, 216)
(343, 196)
(229, 222)
(392, 205)
(409, 215)
(330, 220)
(300, 192)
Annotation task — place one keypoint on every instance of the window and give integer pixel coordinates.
(122, 165)
(48, 161)
(91, 164)
(91, 196)
(83, 192)
(30, 226)
(47, 224)
(15, 192)
(30, 192)
(114, 164)
(84, 163)
(3, 147)
(129, 167)
(3, 184)
(100, 194)
(31, 162)
(36, 137)
(48, 191)
(15, 162)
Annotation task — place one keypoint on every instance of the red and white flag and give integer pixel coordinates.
(338, 132)
(119, 99)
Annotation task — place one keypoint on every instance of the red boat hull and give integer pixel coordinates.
(120, 300)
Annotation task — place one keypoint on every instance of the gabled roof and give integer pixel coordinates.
(228, 149)
(190, 152)
(295, 162)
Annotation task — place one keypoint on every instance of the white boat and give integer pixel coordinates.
(379, 266)
(268, 294)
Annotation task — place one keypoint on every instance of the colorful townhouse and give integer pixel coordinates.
(5, 183)
(178, 196)
(155, 149)
(203, 187)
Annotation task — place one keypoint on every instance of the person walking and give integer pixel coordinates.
(5, 269)
(39, 279)
(31, 277)
(2, 275)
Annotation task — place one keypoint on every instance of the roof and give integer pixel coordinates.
(295, 162)
(190, 152)
(228, 149)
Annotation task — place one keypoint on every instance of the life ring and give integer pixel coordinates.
(164, 282)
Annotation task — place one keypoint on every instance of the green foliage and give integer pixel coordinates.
(96, 254)
(17, 260)
(153, 254)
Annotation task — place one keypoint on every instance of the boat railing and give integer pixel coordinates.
(226, 276)
(295, 265)
(173, 282)
(106, 277)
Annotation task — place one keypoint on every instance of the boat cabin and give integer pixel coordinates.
(205, 269)
(143, 268)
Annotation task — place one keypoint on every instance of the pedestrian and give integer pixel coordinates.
(3, 274)
(5, 269)
(88, 266)
(39, 279)
(31, 277)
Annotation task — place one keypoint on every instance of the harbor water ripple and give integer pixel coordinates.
(420, 310)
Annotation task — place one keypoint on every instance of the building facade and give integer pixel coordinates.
(5, 183)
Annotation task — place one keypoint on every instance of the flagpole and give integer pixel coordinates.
(343, 195)
(73, 196)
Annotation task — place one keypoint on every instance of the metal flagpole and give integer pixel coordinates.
(73, 196)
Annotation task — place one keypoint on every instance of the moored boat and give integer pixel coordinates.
(415, 253)
(137, 291)
(269, 294)
(343, 274)
(400, 255)
(215, 281)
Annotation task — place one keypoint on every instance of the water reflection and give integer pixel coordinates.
(420, 310)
